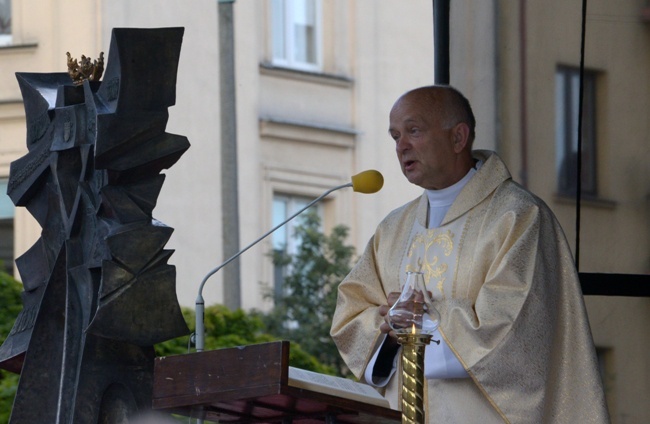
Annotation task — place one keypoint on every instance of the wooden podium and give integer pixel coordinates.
(252, 384)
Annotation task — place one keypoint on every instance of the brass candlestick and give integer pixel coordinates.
(414, 319)
(413, 345)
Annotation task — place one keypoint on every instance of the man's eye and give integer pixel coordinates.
(414, 130)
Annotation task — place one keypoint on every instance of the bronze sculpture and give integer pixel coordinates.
(98, 291)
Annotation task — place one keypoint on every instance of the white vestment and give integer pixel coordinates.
(504, 281)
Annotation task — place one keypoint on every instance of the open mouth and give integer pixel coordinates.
(409, 164)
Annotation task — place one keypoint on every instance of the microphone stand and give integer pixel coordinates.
(199, 331)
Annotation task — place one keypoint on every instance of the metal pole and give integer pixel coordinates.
(229, 184)
(441, 41)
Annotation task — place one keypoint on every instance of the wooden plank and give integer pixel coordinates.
(250, 384)
(196, 378)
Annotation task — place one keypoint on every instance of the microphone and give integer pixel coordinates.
(367, 182)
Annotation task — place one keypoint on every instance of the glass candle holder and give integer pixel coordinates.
(414, 311)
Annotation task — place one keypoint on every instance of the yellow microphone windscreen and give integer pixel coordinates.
(369, 181)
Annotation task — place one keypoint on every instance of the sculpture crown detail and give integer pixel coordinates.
(86, 70)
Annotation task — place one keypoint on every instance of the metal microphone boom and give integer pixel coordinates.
(365, 182)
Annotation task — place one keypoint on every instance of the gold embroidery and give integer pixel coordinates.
(428, 261)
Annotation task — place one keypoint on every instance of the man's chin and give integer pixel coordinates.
(413, 176)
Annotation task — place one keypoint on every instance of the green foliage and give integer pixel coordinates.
(10, 291)
(303, 314)
(11, 305)
(8, 386)
(225, 328)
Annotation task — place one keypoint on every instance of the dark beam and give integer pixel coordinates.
(441, 41)
(598, 284)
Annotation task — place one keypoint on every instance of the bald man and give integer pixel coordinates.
(515, 344)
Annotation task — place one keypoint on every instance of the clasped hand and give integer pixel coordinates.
(402, 320)
(385, 327)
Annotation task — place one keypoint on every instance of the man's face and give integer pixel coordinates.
(424, 148)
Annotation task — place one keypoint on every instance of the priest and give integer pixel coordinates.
(515, 343)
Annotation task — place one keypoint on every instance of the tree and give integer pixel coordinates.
(303, 314)
(10, 291)
(225, 328)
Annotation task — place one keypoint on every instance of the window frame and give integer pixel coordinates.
(6, 39)
(294, 202)
(567, 80)
(7, 228)
(288, 36)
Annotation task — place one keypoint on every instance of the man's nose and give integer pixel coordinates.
(402, 144)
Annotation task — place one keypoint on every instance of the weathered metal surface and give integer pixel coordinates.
(99, 292)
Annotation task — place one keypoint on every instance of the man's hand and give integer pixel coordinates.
(383, 311)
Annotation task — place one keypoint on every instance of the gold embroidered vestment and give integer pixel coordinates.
(504, 281)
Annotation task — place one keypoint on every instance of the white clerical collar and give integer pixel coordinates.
(446, 196)
(440, 200)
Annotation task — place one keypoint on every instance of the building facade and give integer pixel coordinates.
(539, 69)
(314, 81)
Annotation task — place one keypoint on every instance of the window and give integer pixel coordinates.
(7, 211)
(296, 33)
(284, 239)
(566, 127)
(5, 22)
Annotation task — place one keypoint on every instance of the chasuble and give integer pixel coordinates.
(503, 279)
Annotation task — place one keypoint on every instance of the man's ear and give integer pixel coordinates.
(460, 134)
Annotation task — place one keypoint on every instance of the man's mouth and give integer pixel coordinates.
(409, 164)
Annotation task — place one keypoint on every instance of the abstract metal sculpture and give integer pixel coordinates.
(98, 291)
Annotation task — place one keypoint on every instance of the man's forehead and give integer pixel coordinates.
(408, 120)
(410, 114)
